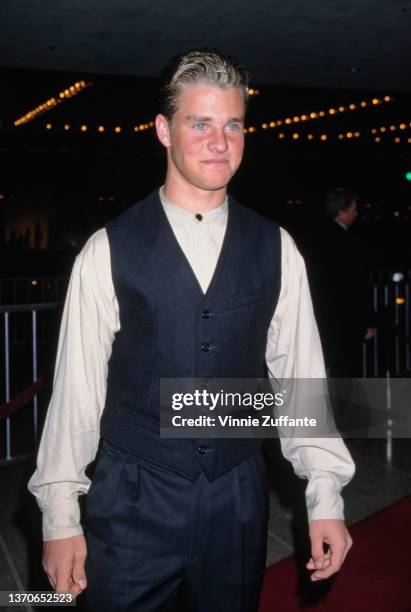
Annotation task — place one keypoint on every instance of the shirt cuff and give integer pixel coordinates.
(61, 521)
(324, 499)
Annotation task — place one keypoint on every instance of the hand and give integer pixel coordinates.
(334, 533)
(63, 562)
(371, 331)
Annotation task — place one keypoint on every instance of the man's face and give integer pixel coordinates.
(351, 213)
(348, 216)
(205, 138)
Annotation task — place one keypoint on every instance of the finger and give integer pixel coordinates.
(52, 580)
(347, 548)
(326, 564)
(327, 560)
(317, 551)
(74, 589)
(334, 566)
(63, 581)
(50, 573)
(79, 572)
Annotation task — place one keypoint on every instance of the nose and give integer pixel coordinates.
(218, 141)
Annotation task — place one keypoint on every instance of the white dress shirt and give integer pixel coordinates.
(91, 319)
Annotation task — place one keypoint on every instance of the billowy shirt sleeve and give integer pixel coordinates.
(294, 351)
(71, 431)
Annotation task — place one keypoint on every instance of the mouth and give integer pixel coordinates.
(215, 163)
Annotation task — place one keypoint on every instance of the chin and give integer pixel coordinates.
(215, 183)
(209, 186)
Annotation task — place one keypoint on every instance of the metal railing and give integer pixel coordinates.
(389, 352)
(10, 407)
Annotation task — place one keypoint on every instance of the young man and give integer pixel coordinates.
(186, 284)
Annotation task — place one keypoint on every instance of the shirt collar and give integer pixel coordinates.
(178, 213)
(341, 224)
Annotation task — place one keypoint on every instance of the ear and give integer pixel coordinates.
(163, 130)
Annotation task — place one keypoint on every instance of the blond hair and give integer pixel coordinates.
(199, 66)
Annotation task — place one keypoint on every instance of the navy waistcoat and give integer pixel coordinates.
(171, 329)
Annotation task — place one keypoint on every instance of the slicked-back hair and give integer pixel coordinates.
(204, 65)
(339, 199)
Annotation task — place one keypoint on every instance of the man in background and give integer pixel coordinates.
(339, 274)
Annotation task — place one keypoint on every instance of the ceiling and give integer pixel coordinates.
(355, 44)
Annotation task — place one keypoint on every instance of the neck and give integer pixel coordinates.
(193, 199)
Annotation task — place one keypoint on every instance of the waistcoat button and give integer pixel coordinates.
(202, 450)
(205, 347)
(205, 314)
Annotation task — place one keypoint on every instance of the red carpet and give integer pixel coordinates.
(376, 575)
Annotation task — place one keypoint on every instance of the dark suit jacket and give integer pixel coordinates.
(338, 268)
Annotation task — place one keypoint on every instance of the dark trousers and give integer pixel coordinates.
(160, 542)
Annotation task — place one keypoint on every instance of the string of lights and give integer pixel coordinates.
(282, 136)
(287, 121)
(73, 90)
(102, 129)
(349, 135)
(62, 96)
(396, 140)
(382, 129)
(392, 128)
(315, 115)
(84, 127)
(296, 136)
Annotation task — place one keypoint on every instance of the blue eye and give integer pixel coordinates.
(232, 126)
(200, 126)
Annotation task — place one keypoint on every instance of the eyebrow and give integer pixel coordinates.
(201, 119)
